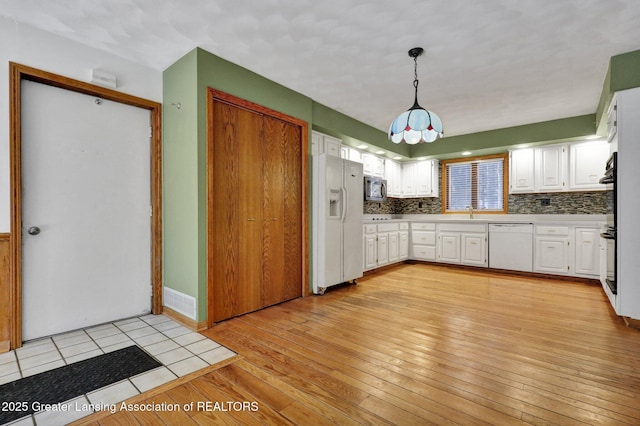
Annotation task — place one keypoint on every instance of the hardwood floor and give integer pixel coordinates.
(421, 344)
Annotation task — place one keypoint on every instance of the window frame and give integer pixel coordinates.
(505, 182)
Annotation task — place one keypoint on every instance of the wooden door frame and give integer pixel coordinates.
(218, 95)
(18, 73)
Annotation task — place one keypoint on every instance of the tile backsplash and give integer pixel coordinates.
(387, 207)
(588, 202)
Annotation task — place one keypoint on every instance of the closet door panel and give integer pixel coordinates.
(275, 226)
(236, 210)
(282, 212)
(293, 211)
(257, 207)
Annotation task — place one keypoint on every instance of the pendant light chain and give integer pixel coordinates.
(415, 73)
(415, 77)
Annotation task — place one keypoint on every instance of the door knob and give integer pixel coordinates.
(34, 230)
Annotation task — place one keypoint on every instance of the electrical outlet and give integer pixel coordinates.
(545, 201)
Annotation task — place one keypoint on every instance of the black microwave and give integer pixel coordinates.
(375, 189)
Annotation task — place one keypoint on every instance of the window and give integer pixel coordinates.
(478, 182)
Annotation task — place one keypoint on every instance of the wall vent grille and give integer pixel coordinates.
(180, 302)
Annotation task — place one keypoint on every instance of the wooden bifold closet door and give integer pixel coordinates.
(256, 206)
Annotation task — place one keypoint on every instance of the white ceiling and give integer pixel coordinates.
(487, 64)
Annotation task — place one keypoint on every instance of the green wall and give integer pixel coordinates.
(351, 131)
(493, 141)
(180, 176)
(184, 144)
(623, 73)
(185, 149)
(220, 74)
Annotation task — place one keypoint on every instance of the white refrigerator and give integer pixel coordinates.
(337, 221)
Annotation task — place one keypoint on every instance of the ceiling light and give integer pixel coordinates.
(397, 158)
(362, 146)
(380, 152)
(416, 124)
(466, 152)
(522, 145)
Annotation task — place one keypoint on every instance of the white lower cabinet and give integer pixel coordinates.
(552, 250)
(558, 249)
(383, 249)
(385, 244)
(423, 241)
(474, 249)
(370, 247)
(587, 251)
(464, 244)
(394, 247)
(449, 247)
(403, 241)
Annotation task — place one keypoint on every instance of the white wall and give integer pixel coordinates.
(27, 45)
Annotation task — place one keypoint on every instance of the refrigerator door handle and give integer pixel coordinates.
(344, 203)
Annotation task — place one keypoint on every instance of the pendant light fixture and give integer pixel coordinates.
(416, 124)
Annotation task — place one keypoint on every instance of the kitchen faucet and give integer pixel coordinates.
(470, 212)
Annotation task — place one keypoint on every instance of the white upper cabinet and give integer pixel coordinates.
(409, 179)
(521, 170)
(587, 162)
(412, 179)
(316, 143)
(324, 144)
(420, 179)
(555, 168)
(372, 165)
(551, 169)
(393, 175)
(427, 179)
(351, 154)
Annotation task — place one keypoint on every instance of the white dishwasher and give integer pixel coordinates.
(511, 246)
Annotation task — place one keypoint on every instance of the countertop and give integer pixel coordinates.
(560, 219)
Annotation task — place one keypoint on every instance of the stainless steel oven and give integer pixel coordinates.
(609, 234)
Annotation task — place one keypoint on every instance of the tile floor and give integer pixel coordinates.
(180, 350)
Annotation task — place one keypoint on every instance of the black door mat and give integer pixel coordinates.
(65, 383)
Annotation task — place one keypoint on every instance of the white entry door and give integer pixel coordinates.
(86, 237)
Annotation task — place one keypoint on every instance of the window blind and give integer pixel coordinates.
(476, 183)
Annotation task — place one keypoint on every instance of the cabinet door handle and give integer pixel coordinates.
(251, 219)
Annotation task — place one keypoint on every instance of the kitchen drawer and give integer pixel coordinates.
(387, 227)
(370, 229)
(423, 237)
(424, 252)
(423, 226)
(552, 230)
(462, 227)
(403, 226)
